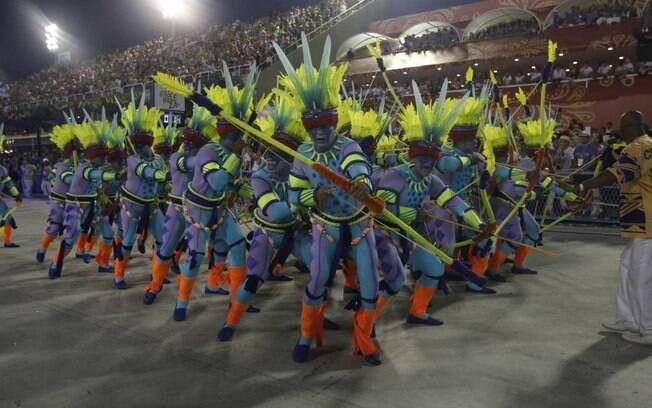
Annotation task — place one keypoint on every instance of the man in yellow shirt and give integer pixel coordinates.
(633, 173)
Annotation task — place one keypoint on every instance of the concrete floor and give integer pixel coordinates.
(77, 342)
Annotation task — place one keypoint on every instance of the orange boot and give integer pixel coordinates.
(216, 278)
(102, 257)
(363, 322)
(183, 297)
(90, 243)
(350, 277)
(312, 328)
(119, 267)
(236, 311)
(519, 262)
(420, 300)
(380, 305)
(159, 270)
(236, 277)
(8, 233)
(46, 240)
(496, 261)
(81, 243)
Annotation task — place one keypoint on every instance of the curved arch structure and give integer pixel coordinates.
(423, 28)
(498, 16)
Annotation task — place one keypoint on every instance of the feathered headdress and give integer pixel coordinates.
(140, 121)
(165, 138)
(233, 100)
(201, 127)
(2, 137)
(494, 137)
(116, 143)
(283, 122)
(430, 123)
(344, 111)
(315, 91)
(94, 135)
(63, 137)
(537, 134)
(473, 112)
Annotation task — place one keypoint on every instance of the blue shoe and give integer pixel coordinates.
(301, 353)
(179, 314)
(121, 284)
(523, 271)
(105, 269)
(87, 258)
(53, 271)
(328, 324)
(482, 291)
(149, 297)
(495, 276)
(373, 359)
(252, 309)
(218, 291)
(12, 245)
(426, 321)
(350, 291)
(279, 277)
(225, 333)
(40, 256)
(78, 255)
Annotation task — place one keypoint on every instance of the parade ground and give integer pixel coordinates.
(78, 342)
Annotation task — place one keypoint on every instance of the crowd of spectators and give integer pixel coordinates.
(518, 26)
(238, 43)
(436, 39)
(591, 13)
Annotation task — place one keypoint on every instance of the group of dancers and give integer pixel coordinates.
(444, 196)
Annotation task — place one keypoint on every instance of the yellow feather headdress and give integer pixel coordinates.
(312, 89)
(284, 117)
(232, 99)
(61, 135)
(204, 123)
(2, 137)
(165, 135)
(536, 134)
(430, 122)
(95, 133)
(139, 118)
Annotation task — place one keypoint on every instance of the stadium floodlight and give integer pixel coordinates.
(171, 8)
(52, 37)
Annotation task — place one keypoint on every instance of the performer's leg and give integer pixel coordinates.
(532, 237)
(324, 239)
(365, 255)
(430, 271)
(72, 222)
(105, 245)
(391, 267)
(258, 259)
(130, 214)
(197, 238)
(173, 232)
(55, 224)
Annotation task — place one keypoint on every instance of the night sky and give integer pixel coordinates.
(99, 26)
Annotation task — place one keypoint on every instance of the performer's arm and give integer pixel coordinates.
(148, 171)
(301, 193)
(219, 176)
(450, 163)
(269, 202)
(446, 198)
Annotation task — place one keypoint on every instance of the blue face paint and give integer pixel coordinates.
(228, 140)
(323, 138)
(467, 145)
(274, 162)
(423, 166)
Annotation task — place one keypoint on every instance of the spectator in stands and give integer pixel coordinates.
(644, 67)
(558, 73)
(27, 174)
(519, 78)
(585, 150)
(604, 69)
(564, 157)
(586, 71)
(625, 67)
(507, 79)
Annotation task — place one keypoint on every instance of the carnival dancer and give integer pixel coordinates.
(138, 193)
(339, 222)
(109, 202)
(217, 167)
(199, 131)
(411, 191)
(63, 137)
(460, 166)
(512, 191)
(279, 231)
(93, 136)
(7, 186)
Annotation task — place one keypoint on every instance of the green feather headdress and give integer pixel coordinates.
(94, 135)
(234, 100)
(312, 89)
(433, 121)
(165, 135)
(203, 123)
(139, 118)
(283, 117)
(61, 135)
(2, 137)
(370, 123)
